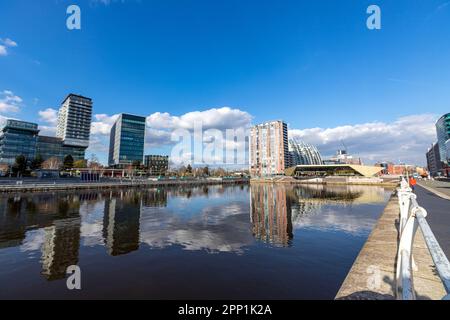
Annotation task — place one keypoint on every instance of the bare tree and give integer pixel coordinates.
(52, 164)
(129, 169)
(94, 163)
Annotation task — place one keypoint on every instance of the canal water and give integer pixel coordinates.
(211, 242)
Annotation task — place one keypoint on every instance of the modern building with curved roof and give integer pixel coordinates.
(302, 153)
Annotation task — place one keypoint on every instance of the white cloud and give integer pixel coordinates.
(161, 125)
(103, 124)
(215, 118)
(47, 130)
(49, 115)
(9, 102)
(108, 2)
(5, 44)
(405, 139)
(10, 43)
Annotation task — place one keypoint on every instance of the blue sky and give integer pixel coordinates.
(312, 63)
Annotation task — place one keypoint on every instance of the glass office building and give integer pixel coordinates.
(443, 134)
(52, 147)
(17, 138)
(127, 140)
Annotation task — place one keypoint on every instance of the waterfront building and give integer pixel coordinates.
(156, 165)
(269, 150)
(443, 134)
(303, 153)
(127, 140)
(17, 138)
(434, 162)
(74, 121)
(326, 170)
(342, 157)
(53, 147)
(387, 167)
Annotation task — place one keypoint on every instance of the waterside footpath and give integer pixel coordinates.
(71, 184)
(361, 181)
(373, 274)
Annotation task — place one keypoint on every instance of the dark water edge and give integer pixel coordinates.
(210, 242)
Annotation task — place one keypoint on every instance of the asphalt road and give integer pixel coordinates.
(438, 216)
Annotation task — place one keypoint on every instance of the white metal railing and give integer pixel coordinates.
(412, 217)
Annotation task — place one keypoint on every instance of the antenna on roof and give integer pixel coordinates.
(345, 147)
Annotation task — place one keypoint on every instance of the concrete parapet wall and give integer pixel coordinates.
(372, 276)
(29, 187)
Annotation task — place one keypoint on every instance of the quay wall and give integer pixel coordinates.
(42, 187)
(373, 274)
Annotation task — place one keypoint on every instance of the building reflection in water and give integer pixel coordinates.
(154, 198)
(121, 223)
(121, 219)
(61, 247)
(271, 214)
(277, 209)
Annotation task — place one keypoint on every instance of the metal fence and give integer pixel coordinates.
(412, 217)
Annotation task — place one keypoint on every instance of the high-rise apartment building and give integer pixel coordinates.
(74, 121)
(269, 149)
(443, 134)
(127, 140)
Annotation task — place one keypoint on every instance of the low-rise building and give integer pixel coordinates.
(52, 147)
(156, 165)
(345, 170)
(18, 138)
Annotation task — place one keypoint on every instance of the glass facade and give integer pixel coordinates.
(302, 153)
(443, 134)
(49, 147)
(127, 140)
(18, 138)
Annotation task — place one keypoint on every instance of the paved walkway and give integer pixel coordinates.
(440, 188)
(372, 276)
(438, 216)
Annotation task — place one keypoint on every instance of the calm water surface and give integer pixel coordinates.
(235, 242)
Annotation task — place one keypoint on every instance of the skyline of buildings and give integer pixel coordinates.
(267, 150)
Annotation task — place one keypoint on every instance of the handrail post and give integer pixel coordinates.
(412, 216)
